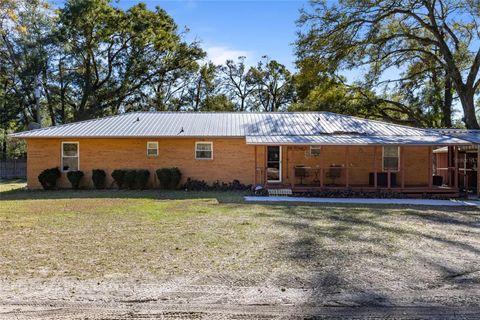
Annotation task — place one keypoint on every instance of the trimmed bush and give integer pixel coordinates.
(165, 178)
(175, 177)
(98, 178)
(169, 177)
(48, 178)
(75, 177)
(141, 178)
(129, 179)
(118, 176)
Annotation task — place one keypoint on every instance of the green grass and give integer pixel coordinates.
(12, 185)
(142, 234)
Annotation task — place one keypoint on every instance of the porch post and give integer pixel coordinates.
(389, 179)
(455, 163)
(478, 168)
(265, 165)
(430, 167)
(402, 165)
(375, 166)
(321, 167)
(255, 169)
(286, 160)
(347, 165)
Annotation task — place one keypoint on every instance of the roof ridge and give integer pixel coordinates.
(235, 112)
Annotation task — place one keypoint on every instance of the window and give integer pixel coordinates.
(391, 156)
(152, 149)
(315, 151)
(204, 150)
(70, 159)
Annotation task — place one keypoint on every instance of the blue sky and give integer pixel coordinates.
(230, 28)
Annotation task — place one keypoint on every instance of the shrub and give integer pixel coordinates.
(75, 177)
(119, 177)
(200, 185)
(176, 176)
(141, 178)
(195, 185)
(169, 177)
(164, 177)
(98, 178)
(129, 179)
(48, 178)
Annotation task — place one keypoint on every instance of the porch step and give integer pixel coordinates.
(278, 192)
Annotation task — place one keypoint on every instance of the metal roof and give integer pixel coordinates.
(286, 126)
(470, 135)
(354, 140)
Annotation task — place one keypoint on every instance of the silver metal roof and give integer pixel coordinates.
(470, 135)
(284, 125)
(354, 140)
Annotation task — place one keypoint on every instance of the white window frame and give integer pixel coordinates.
(319, 148)
(203, 142)
(156, 148)
(63, 156)
(383, 159)
(280, 171)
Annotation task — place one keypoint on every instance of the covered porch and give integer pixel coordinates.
(406, 169)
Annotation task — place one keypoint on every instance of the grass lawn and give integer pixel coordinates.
(376, 254)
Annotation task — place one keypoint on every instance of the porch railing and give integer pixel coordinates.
(336, 176)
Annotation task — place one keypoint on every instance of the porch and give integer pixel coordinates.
(399, 169)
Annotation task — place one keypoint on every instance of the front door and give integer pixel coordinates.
(274, 164)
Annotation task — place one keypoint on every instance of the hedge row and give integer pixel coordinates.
(169, 178)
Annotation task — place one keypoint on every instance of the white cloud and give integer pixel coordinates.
(220, 54)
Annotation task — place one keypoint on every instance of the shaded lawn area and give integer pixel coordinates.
(151, 234)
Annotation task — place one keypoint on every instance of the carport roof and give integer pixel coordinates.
(469, 135)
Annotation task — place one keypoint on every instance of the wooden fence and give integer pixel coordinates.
(13, 169)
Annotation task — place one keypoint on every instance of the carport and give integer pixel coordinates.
(466, 158)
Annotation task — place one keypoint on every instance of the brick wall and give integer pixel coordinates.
(232, 158)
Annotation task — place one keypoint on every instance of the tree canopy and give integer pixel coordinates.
(411, 62)
(436, 41)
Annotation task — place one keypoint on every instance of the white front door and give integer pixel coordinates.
(274, 164)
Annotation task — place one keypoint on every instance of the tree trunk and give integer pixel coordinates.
(468, 105)
(4, 147)
(447, 104)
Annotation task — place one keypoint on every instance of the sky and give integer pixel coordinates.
(230, 28)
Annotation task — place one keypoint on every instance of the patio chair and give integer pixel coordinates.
(334, 172)
(301, 172)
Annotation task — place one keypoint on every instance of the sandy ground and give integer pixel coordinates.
(247, 297)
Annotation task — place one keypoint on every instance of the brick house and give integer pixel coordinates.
(302, 151)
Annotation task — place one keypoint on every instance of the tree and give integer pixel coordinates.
(236, 79)
(390, 34)
(202, 86)
(273, 83)
(24, 42)
(114, 56)
(218, 102)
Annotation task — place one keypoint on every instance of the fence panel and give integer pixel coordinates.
(16, 168)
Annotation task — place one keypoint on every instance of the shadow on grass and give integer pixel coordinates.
(338, 247)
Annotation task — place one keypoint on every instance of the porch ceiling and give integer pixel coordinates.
(355, 140)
